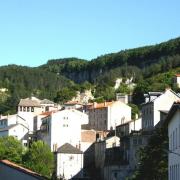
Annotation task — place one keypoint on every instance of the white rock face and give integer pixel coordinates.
(118, 82)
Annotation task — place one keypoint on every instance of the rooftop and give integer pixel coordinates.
(68, 149)
(34, 102)
(46, 101)
(172, 111)
(22, 169)
(100, 105)
(8, 127)
(29, 103)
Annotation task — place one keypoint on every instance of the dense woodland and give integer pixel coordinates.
(151, 67)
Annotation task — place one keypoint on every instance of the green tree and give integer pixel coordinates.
(123, 88)
(138, 93)
(64, 95)
(11, 149)
(134, 110)
(154, 158)
(39, 158)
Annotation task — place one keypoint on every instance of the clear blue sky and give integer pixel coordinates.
(33, 31)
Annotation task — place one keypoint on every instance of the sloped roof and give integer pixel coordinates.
(68, 149)
(46, 101)
(29, 103)
(176, 94)
(22, 169)
(8, 127)
(100, 105)
(72, 103)
(172, 111)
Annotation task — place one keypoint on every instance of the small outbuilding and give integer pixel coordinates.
(69, 162)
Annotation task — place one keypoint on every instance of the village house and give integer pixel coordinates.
(155, 102)
(16, 126)
(12, 171)
(30, 107)
(107, 115)
(137, 140)
(126, 128)
(62, 127)
(72, 105)
(100, 148)
(88, 138)
(69, 162)
(173, 122)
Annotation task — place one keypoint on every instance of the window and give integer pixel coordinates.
(20, 108)
(179, 135)
(32, 109)
(27, 109)
(140, 141)
(173, 145)
(65, 125)
(24, 109)
(4, 122)
(170, 142)
(71, 158)
(134, 141)
(176, 138)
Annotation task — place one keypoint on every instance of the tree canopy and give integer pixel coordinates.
(39, 158)
(11, 149)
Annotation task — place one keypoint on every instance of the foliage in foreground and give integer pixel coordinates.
(39, 158)
(11, 149)
(154, 158)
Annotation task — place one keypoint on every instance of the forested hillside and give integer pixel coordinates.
(149, 59)
(150, 68)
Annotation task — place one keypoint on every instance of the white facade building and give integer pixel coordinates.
(14, 125)
(126, 128)
(173, 120)
(69, 162)
(18, 131)
(30, 107)
(155, 103)
(107, 115)
(62, 127)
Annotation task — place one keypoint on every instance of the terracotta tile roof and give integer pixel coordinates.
(101, 105)
(177, 75)
(68, 149)
(47, 113)
(72, 103)
(22, 169)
